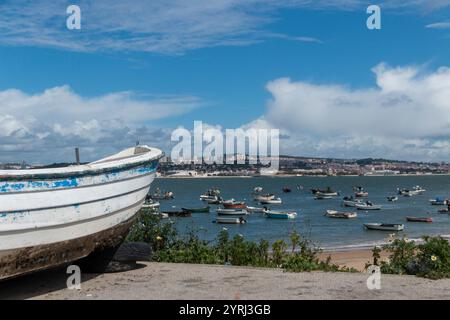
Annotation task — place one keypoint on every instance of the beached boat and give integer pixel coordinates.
(231, 204)
(367, 206)
(392, 199)
(416, 219)
(384, 226)
(51, 217)
(280, 214)
(341, 215)
(197, 210)
(273, 201)
(255, 209)
(351, 202)
(228, 220)
(439, 202)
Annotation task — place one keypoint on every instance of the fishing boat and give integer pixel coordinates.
(210, 194)
(179, 214)
(439, 202)
(417, 190)
(151, 205)
(415, 219)
(367, 206)
(322, 197)
(392, 199)
(280, 214)
(215, 200)
(327, 192)
(351, 202)
(197, 210)
(51, 217)
(231, 204)
(273, 201)
(287, 190)
(231, 212)
(168, 195)
(360, 193)
(264, 197)
(341, 215)
(228, 220)
(255, 209)
(384, 226)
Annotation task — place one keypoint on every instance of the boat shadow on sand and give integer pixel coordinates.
(42, 283)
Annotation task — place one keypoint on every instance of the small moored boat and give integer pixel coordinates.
(273, 201)
(351, 202)
(197, 210)
(280, 214)
(384, 226)
(367, 206)
(392, 199)
(231, 212)
(341, 215)
(439, 202)
(264, 197)
(227, 220)
(415, 219)
(231, 204)
(255, 209)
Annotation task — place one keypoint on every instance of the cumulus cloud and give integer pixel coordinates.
(405, 116)
(45, 127)
(163, 26)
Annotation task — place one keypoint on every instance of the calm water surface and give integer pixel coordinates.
(329, 233)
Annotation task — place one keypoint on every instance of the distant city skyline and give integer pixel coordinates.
(137, 70)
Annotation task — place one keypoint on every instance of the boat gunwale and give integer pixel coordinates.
(91, 169)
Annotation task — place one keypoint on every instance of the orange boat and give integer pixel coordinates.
(234, 205)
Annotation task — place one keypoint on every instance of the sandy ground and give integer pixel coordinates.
(205, 282)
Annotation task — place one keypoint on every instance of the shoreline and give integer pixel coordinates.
(304, 176)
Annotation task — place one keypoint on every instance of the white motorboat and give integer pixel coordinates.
(231, 212)
(265, 197)
(367, 206)
(255, 209)
(273, 201)
(51, 217)
(351, 202)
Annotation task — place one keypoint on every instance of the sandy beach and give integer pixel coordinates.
(202, 282)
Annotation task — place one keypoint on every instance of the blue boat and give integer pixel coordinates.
(280, 214)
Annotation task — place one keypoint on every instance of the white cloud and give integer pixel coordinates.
(162, 26)
(439, 25)
(406, 116)
(45, 127)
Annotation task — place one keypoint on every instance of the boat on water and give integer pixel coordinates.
(231, 212)
(255, 209)
(322, 197)
(179, 214)
(351, 202)
(416, 219)
(273, 201)
(367, 206)
(197, 210)
(287, 190)
(384, 226)
(210, 194)
(392, 199)
(439, 202)
(214, 201)
(341, 215)
(51, 217)
(327, 192)
(417, 190)
(229, 220)
(257, 189)
(232, 204)
(158, 195)
(360, 192)
(151, 205)
(264, 197)
(280, 214)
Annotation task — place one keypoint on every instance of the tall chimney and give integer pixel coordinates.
(77, 155)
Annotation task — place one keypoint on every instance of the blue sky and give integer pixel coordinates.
(140, 74)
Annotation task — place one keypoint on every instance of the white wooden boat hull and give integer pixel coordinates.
(51, 217)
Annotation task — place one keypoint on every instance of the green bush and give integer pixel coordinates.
(168, 246)
(431, 259)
